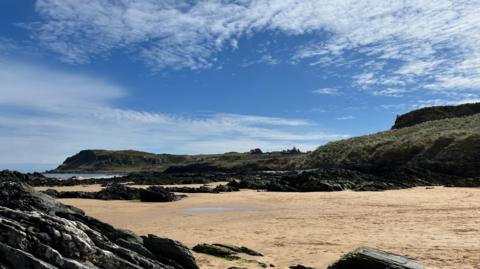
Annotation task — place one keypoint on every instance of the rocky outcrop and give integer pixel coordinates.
(217, 251)
(158, 194)
(113, 161)
(240, 249)
(325, 180)
(110, 192)
(195, 169)
(121, 192)
(299, 266)
(435, 113)
(370, 258)
(171, 249)
(203, 189)
(229, 252)
(38, 232)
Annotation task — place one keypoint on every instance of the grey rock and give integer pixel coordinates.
(38, 232)
(168, 248)
(370, 258)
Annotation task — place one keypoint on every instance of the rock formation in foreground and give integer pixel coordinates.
(370, 258)
(38, 232)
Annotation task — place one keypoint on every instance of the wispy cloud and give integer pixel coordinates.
(390, 49)
(431, 43)
(349, 117)
(392, 92)
(414, 45)
(48, 114)
(326, 91)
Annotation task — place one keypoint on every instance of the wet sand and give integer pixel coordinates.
(440, 227)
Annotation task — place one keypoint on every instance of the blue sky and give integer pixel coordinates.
(215, 76)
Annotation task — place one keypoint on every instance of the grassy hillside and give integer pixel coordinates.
(448, 146)
(116, 161)
(127, 161)
(435, 113)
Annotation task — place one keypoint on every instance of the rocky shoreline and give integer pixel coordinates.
(321, 179)
(121, 192)
(36, 231)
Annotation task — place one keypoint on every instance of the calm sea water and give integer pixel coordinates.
(80, 176)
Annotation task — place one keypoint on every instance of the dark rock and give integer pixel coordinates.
(70, 194)
(228, 252)
(241, 249)
(195, 169)
(36, 231)
(110, 192)
(225, 188)
(171, 249)
(369, 258)
(158, 194)
(203, 189)
(217, 251)
(120, 192)
(299, 266)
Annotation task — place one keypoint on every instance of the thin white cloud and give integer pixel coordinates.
(388, 48)
(349, 117)
(326, 91)
(391, 92)
(437, 41)
(48, 114)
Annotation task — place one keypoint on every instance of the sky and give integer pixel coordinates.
(212, 76)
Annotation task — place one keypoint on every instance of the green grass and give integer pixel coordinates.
(126, 161)
(449, 142)
(451, 145)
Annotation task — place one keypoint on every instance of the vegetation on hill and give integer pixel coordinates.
(127, 161)
(442, 147)
(435, 113)
(444, 151)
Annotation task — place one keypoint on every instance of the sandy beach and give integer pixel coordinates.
(440, 227)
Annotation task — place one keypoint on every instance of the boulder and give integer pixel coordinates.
(118, 192)
(370, 258)
(171, 249)
(299, 266)
(217, 251)
(158, 194)
(241, 249)
(36, 231)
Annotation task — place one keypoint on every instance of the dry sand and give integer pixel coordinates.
(440, 227)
